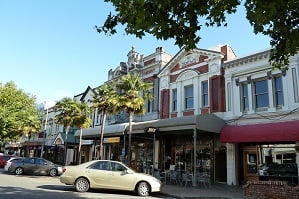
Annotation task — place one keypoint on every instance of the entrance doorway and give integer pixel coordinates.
(250, 163)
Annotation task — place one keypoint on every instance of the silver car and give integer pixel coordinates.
(9, 162)
(108, 174)
(36, 166)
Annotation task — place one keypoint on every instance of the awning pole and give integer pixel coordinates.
(194, 158)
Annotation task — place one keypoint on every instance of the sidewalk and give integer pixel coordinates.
(216, 191)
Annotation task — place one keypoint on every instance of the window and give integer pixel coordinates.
(261, 95)
(101, 165)
(278, 91)
(205, 94)
(295, 85)
(117, 167)
(189, 97)
(251, 163)
(174, 100)
(148, 107)
(244, 97)
(98, 120)
(150, 102)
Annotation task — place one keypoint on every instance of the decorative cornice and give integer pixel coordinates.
(247, 59)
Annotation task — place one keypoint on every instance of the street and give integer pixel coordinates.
(45, 187)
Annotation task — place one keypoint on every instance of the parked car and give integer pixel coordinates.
(9, 161)
(37, 166)
(3, 159)
(285, 172)
(108, 174)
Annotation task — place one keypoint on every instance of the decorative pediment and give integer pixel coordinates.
(188, 60)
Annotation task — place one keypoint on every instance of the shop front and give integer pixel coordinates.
(113, 142)
(266, 151)
(188, 145)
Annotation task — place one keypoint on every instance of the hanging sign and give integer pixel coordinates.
(151, 130)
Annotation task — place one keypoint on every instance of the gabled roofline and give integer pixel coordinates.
(183, 50)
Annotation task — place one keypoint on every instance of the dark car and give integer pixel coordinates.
(36, 166)
(274, 171)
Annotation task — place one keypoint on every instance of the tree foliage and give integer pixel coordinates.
(82, 120)
(182, 20)
(106, 100)
(18, 113)
(71, 113)
(66, 112)
(133, 94)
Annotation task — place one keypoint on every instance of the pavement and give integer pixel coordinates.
(215, 191)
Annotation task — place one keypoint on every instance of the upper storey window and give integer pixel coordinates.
(205, 93)
(189, 97)
(266, 93)
(244, 97)
(174, 99)
(278, 91)
(261, 94)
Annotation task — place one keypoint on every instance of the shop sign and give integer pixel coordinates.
(151, 130)
(111, 140)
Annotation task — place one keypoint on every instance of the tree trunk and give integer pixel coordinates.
(102, 135)
(131, 114)
(80, 143)
(65, 144)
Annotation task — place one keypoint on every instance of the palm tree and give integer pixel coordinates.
(106, 101)
(81, 120)
(134, 92)
(31, 125)
(66, 109)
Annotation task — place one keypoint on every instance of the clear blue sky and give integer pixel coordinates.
(50, 48)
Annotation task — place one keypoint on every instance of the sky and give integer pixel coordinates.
(50, 48)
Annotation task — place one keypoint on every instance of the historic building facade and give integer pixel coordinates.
(211, 113)
(262, 116)
(115, 137)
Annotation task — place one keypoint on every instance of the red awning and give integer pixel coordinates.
(269, 132)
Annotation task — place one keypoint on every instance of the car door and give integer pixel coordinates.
(120, 178)
(29, 165)
(99, 174)
(41, 166)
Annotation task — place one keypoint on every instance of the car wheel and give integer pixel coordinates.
(82, 185)
(143, 189)
(19, 171)
(53, 172)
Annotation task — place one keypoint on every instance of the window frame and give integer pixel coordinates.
(260, 94)
(189, 98)
(205, 93)
(277, 92)
(174, 102)
(244, 98)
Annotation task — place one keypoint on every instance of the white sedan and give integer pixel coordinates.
(107, 174)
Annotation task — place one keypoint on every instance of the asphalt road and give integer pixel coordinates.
(44, 187)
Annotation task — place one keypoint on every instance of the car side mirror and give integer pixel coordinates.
(124, 172)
